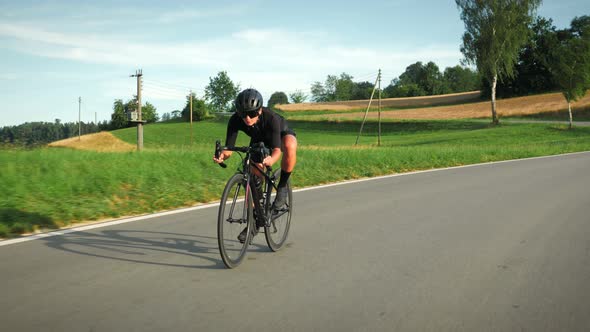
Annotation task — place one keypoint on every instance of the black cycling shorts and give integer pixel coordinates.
(288, 131)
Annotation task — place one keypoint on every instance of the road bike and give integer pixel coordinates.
(246, 205)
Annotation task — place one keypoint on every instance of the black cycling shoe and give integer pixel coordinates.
(281, 199)
(259, 220)
(242, 236)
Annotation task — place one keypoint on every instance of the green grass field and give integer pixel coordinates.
(54, 187)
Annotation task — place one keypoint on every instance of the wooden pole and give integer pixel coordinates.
(79, 116)
(139, 74)
(379, 108)
(367, 112)
(190, 96)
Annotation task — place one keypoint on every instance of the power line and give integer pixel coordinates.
(174, 86)
(165, 91)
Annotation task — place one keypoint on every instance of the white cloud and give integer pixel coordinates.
(187, 14)
(268, 59)
(256, 48)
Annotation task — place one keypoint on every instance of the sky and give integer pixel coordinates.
(55, 53)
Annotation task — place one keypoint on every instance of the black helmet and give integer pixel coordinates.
(248, 100)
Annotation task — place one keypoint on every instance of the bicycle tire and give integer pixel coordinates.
(235, 213)
(276, 234)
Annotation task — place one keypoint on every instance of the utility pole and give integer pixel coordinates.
(379, 109)
(139, 74)
(190, 96)
(79, 116)
(368, 107)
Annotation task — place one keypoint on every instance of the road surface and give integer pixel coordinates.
(494, 247)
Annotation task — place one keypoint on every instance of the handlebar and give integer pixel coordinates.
(245, 149)
(218, 149)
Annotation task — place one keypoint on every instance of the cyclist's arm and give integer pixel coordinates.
(276, 142)
(273, 158)
(230, 139)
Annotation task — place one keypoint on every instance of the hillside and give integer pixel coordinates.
(423, 101)
(102, 142)
(519, 106)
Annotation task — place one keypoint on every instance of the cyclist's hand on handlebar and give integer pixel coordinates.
(218, 160)
(221, 158)
(268, 161)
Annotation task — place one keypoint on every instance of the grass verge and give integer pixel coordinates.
(54, 187)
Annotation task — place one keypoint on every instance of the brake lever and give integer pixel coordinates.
(218, 153)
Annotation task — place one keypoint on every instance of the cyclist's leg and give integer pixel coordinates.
(289, 148)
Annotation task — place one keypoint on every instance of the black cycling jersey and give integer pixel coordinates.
(269, 128)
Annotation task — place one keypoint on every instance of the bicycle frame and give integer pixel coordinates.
(246, 170)
(258, 209)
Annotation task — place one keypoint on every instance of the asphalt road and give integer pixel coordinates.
(496, 247)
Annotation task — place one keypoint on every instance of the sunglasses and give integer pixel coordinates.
(250, 114)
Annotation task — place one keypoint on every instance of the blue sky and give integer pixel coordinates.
(52, 52)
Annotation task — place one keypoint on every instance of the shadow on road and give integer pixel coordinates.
(155, 248)
(17, 221)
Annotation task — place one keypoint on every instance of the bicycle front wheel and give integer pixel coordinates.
(280, 221)
(235, 214)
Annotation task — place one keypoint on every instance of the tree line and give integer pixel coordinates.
(417, 80)
(36, 133)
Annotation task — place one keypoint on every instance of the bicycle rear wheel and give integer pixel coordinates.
(235, 214)
(276, 234)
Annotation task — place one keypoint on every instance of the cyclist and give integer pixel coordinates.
(263, 125)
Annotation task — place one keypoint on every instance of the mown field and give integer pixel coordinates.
(549, 105)
(55, 187)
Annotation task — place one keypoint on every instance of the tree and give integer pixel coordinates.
(119, 116)
(432, 81)
(531, 72)
(318, 92)
(398, 90)
(278, 97)
(496, 30)
(362, 90)
(412, 75)
(148, 113)
(36, 133)
(334, 89)
(460, 79)
(221, 91)
(330, 87)
(420, 80)
(298, 97)
(176, 114)
(580, 26)
(570, 62)
(200, 110)
(343, 87)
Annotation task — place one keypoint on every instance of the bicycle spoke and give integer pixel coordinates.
(280, 221)
(233, 218)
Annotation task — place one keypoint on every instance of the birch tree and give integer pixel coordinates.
(495, 32)
(570, 62)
